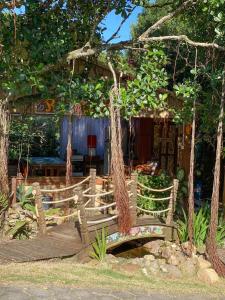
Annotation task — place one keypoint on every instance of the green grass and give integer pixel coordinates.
(68, 273)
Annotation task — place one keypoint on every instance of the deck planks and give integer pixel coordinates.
(60, 241)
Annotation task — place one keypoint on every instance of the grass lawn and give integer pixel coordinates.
(68, 273)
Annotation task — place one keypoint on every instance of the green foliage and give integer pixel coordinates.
(52, 212)
(220, 234)
(25, 197)
(188, 92)
(20, 231)
(25, 141)
(99, 246)
(155, 182)
(143, 91)
(182, 188)
(201, 225)
(3, 201)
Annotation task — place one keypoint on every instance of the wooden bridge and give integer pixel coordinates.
(93, 209)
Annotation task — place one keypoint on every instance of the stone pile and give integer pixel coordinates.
(168, 260)
(16, 214)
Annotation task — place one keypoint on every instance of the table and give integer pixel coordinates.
(47, 166)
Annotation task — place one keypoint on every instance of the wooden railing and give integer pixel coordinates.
(39, 202)
(90, 200)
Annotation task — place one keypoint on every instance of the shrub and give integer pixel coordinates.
(155, 182)
(25, 197)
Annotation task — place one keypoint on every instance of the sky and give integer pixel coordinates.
(112, 22)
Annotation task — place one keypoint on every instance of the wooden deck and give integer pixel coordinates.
(61, 241)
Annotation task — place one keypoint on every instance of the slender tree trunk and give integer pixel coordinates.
(69, 151)
(4, 145)
(211, 246)
(191, 179)
(117, 163)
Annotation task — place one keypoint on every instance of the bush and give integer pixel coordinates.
(25, 197)
(155, 182)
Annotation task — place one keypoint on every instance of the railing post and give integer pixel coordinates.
(14, 188)
(39, 208)
(92, 185)
(172, 203)
(82, 218)
(133, 198)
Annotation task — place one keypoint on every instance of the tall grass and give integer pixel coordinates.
(200, 225)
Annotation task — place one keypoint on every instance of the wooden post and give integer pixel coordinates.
(172, 203)
(133, 198)
(14, 188)
(83, 218)
(92, 185)
(39, 209)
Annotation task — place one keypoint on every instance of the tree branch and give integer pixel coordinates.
(183, 38)
(166, 18)
(120, 26)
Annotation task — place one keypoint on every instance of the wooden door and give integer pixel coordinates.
(165, 146)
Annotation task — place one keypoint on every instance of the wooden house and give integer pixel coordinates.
(149, 137)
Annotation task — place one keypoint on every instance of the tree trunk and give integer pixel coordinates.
(211, 246)
(117, 165)
(4, 145)
(191, 179)
(69, 151)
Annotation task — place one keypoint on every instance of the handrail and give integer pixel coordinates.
(100, 207)
(67, 187)
(63, 217)
(157, 212)
(87, 202)
(62, 200)
(129, 182)
(154, 199)
(155, 190)
(87, 190)
(98, 195)
(102, 220)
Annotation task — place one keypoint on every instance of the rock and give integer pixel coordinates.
(154, 267)
(163, 268)
(173, 260)
(167, 252)
(202, 263)
(139, 261)
(208, 276)
(128, 268)
(201, 249)
(145, 272)
(153, 247)
(111, 258)
(148, 259)
(188, 249)
(188, 268)
(173, 271)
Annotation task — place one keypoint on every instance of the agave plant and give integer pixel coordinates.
(99, 246)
